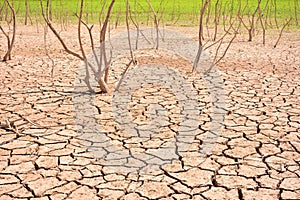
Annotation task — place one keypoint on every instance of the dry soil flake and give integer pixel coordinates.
(154, 190)
(83, 193)
(256, 156)
(41, 186)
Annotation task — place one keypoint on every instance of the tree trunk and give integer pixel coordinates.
(7, 56)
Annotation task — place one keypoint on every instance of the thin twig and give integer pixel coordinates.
(281, 32)
(155, 22)
(48, 22)
(128, 31)
(102, 41)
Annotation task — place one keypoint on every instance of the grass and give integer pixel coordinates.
(179, 12)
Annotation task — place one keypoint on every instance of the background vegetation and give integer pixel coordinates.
(173, 12)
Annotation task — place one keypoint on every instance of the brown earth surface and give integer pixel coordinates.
(257, 155)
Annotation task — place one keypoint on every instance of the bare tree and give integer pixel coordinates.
(207, 20)
(225, 16)
(218, 8)
(82, 55)
(2, 7)
(27, 12)
(156, 23)
(10, 40)
(55, 32)
(49, 11)
(250, 29)
(135, 21)
(132, 60)
(296, 7)
(118, 16)
(200, 36)
(275, 13)
(263, 13)
(102, 39)
(231, 30)
(281, 32)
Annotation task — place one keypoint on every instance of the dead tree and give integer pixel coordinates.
(10, 40)
(263, 13)
(218, 56)
(200, 36)
(1, 11)
(132, 60)
(82, 55)
(156, 23)
(49, 11)
(102, 40)
(296, 7)
(218, 10)
(281, 31)
(27, 12)
(250, 29)
(275, 13)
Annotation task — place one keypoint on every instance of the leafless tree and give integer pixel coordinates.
(222, 40)
(281, 31)
(275, 13)
(156, 23)
(10, 39)
(233, 29)
(207, 18)
(102, 40)
(49, 11)
(82, 55)
(251, 27)
(218, 8)
(2, 7)
(27, 16)
(132, 60)
(296, 7)
(200, 35)
(225, 16)
(118, 17)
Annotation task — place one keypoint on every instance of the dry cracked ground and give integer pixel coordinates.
(256, 156)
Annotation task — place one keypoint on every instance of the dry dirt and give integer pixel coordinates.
(257, 155)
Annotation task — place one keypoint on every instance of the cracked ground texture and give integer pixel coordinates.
(257, 155)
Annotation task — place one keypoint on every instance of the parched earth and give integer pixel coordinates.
(256, 156)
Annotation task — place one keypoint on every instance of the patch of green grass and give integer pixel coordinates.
(177, 12)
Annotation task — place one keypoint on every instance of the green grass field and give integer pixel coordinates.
(180, 12)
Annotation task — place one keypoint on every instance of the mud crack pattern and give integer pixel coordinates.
(180, 93)
(256, 156)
